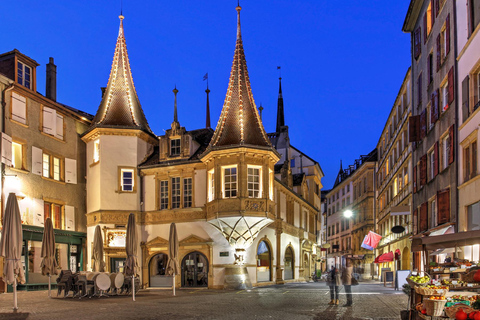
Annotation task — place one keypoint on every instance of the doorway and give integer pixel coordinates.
(157, 271)
(195, 270)
(117, 265)
(264, 262)
(289, 263)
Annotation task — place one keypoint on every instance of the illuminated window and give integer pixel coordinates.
(254, 186)
(17, 155)
(429, 18)
(23, 74)
(56, 168)
(46, 165)
(96, 150)
(444, 96)
(55, 213)
(175, 147)
(187, 193)
(127, 180)
(230, 182)
(211, 185)
(446, 150)
(270, 184)
(163, 194)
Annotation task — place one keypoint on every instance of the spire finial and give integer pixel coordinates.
(175, 91)
(260, 109)
(207, 120)
(238, 8)
(280, 112)
(121, 7)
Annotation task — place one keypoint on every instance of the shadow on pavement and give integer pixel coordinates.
(14, 315)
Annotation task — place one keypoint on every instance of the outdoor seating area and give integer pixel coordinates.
(94, 284)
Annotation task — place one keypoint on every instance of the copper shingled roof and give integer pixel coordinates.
(120, 105)
(239, 121)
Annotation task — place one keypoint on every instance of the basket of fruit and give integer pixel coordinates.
(458, 311)
(418, 278)
(434, 306)
(432, 290)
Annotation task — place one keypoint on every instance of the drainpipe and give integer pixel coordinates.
(4, 104)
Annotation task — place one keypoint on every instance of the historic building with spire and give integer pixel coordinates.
(245, 202)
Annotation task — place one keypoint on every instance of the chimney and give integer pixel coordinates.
(51, 83)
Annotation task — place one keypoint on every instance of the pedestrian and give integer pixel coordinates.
(347, 274)
(334, 282)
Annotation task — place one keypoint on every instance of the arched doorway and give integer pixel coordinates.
(406, 259)
(306, 266)
(289, 264)
(195, 270)
(264, 262)
(157, 271)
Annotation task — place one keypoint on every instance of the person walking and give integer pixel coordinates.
(347, 274)
(334, 282)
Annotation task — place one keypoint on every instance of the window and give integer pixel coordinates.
(444, 96)
(24, 74)
(17, 155)
(433, 213)
(46, 165)
(428, 19)
(476, 92)
(176, 192)
(473, 15)
(473, 216)
(430, 68)
(445, 151)
(211, 185)
(292, 163)
(55, 213)
(230, 182)
(470, 161)
(163, 194)
(96, 150)
(270, 185)
(56, 168)
(127, 180)
(52, 123)
(174, 147)
(431, 164)
(19, 108)
(254, 185)
(187, 192)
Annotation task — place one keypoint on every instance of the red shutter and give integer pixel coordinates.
(439, 53)
(415, 221)
(417, 41)
(437, 7)
(423, 170)
(414, 179)
(423, 124)
(447, 35)
(423, 217)
(443, 199)
(425, 28)
(451, 86)
(435, 160)
(452, 144)
(412, 128)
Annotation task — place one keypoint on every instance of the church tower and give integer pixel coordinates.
(117, 141)
(240, 165)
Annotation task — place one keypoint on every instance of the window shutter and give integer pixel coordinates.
(415, 221)
(447, 35)
(432, 109)
(435, 160)
(423, 124)
(70, 171)
(37, 161)
(414, 179)
(70, 218)
(439, 53)
(465, 98)
(6, 150)
(49, 120)
(432, 13)
(423, 170)
(423, 217)
(38, 212)
(452, 144)
(19, 108)
(436, 105)
(476, 13)
(437, 7)
(425, 28)
(59, 127)
(443, 199)
(451, 86)
(417, 38)
(412, 128)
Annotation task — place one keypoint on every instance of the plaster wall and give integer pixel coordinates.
(200, 188)
(149, 192)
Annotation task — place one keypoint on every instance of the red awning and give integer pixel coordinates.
(386, 257)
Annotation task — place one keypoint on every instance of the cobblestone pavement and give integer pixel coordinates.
(290, 301)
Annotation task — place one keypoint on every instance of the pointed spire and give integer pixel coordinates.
(341, 167)
(260, 109)
(175, 117)
(239, 121)
(207, 121)
(280, 114)
(120, 106)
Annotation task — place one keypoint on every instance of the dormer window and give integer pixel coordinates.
(23, 74)
(174, 147)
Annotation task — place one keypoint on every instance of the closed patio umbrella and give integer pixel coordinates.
(11, 246)
(172, 265)
(131, 264)
(49, 264)
(98, 263)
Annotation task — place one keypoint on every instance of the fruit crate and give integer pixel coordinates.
(422, 274)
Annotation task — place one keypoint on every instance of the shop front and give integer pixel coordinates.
(69, 253)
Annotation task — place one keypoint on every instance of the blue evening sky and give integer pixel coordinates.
(342, 62)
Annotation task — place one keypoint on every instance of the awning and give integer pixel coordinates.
(440, 232)
(386, 257)
(446, 250)
(451, 240)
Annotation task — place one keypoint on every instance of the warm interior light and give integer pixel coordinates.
(348, 213)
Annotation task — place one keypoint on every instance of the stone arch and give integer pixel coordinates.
(289, 263)
(406, 259)
(264, 260)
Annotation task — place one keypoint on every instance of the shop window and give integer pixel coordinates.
(24, 74)
(230, 182)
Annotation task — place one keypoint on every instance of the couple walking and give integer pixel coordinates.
(335, 280)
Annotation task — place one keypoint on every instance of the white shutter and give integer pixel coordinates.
(70, 171)
(70, 218)
(59, 125)
(49, 121)
(37, 160)
(19, 108)
(38, 213)
(6, 149)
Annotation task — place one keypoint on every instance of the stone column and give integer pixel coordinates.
(279, 269)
